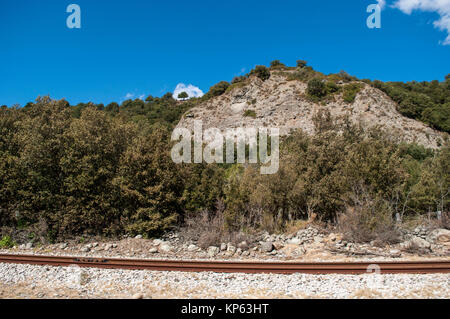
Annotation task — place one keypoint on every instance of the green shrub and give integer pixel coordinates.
(428, 102)
(316, 88)
(183, 95)
(7, 242)
(276, 65)
(250, 113)
(301, 63)
(239, 79)
(350, 91)
(261, 72)
(217, 89)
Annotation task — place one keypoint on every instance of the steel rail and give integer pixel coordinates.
(234, 266)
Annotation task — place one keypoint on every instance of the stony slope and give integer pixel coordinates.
(280, 103)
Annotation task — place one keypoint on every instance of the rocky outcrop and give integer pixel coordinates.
(280, 103)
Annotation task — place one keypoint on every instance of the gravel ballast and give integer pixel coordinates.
(29, 281)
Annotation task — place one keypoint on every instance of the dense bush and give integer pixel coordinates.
(425, 101)
(301, 63)
(94, 174)
(317, 88)
(90, 169)
(217, 89)
(261, 72)
(276, 65)
(350, 91)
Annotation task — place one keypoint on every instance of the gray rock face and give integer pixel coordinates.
(267, 246)
(283, 104)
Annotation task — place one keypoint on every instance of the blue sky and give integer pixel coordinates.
(138, 47)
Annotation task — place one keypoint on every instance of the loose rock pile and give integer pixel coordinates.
(306, 244)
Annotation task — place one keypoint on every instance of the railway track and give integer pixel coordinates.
(233, 266)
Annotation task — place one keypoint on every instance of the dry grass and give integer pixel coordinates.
(209, 229)
(368, 219)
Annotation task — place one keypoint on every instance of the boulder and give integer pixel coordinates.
(192, 248)
(440, 236)
(213, 251)
(278, 245)
(295, 241)
(419, 242)
(395, 253)
(165, 248)
(223, 246)
(243, 245)
(267, 246)
(231, 248)
(153, 250)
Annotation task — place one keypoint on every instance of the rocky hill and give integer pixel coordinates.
(284, 103)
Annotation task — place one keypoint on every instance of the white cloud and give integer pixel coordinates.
(130, 96)
(191, 90)
(442, 7)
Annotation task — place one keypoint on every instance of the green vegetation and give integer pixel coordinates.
(109, 173)
(301, 63)
(276, 65)
(250, 113)
(261, 72)
(91, 169)
(217, 89)
(350, 91)
(183, 95)
(318, 88)
(6, 242)
(428, 102)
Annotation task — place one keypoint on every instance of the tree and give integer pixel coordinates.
(301, 63)
(276, 64)
(183, 96)
(261, 72)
